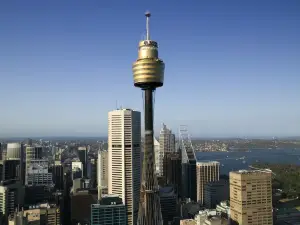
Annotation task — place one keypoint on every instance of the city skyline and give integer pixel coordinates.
(233, 66)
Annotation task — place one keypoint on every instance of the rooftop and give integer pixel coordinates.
(252, 171)
(207, 163)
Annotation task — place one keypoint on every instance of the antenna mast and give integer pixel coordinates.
(147, 14)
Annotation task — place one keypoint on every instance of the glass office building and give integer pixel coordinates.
(109, 211)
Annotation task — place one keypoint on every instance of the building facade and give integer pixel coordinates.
(251, 197)
(215, 192)
(167, 144)
(124, 148)
(110, 210)
(206, 172)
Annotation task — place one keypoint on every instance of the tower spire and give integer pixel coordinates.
(147, 14)
(148, 74)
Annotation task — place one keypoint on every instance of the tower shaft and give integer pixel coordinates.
(149, 211)
(148, 74)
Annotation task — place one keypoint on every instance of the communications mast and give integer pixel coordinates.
(148, 74)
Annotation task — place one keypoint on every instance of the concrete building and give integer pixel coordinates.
(14, 151)
(206, 172)
(168, 203)
(83, 157)
(158, 157)
(102, 171)
(167, 144)
(188, 222)
(215, 192)
(172, 170)
(37, 215)
(124, 149)
(251, 197)
(223, 209)
(110, 210)
(11, 195)
(37, 173)
(32, 156)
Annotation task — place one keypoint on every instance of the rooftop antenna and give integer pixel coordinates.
(116, 104)
(147, 14)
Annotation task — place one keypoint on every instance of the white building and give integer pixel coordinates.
(11, 195)
(124, 149)
(37, 173)
(102, 171)
(14, 151)
(167, 144)
(159, 155)
(206, 172)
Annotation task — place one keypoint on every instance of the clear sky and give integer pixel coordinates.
(232, 67)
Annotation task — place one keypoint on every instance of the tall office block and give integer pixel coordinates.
(83, 157)
(172, 170)
(251, 197)
(110, 210)
(33, 154)
(11, 195)
(93, 179)
(77, 169)
(158, 158)
(102, 171)
(167, 144)
(188, 165)
(14, 151)
(206, 172)
(58, 175)
(124, 148)
(168, 203)
(215, 192)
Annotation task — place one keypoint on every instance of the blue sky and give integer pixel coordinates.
(232, 67)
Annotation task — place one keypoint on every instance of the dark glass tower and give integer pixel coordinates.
(148, 74)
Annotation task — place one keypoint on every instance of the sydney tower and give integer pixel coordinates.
(148, 74)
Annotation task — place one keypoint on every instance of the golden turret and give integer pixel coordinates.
(148, 69)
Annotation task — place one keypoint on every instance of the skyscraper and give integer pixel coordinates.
(159, 155)
(167, 144)
(102, 171)
(83, 157)
(148, 74)
(251, 197)
(124, 149)
(206, 172)
(110, 210)
(14, 151)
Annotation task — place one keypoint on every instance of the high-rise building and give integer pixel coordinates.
(206, 172)
(10, 170)
(251, 197)
(158, 158)
(93, 180)
(58, 175)
(11, 195)
(124, 147)
(37, 173)
(167, 144)
(188, 165)
(14, 151)
(168, 202)
(102, 171)
(83, 157)
(215, 192)
(172, 170)
(110, 210)
(148, 74)
(33, 155)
